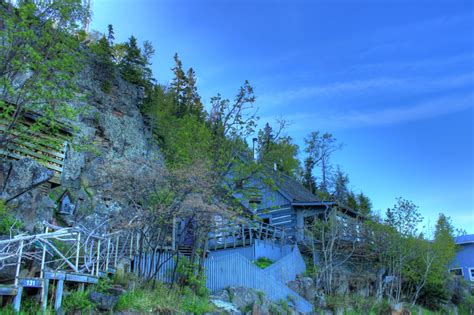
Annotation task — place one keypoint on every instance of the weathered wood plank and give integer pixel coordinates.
(59, 295)
(17, 300)
(8, 289)
(19, 157)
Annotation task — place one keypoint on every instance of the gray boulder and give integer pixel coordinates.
(305, 287)
(103, 301)
(22, 176)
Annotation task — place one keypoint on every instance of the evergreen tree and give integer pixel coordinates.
(193, 100)
(340, 186)
(364, 204)
(178, 86)
(110, 34)
(273, 149)
(308, 179)
(352, 201)
(133, 63)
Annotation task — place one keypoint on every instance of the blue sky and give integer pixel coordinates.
(392, 80)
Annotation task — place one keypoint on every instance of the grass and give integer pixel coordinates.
(77, 301)
(161, 299)
(263, 262)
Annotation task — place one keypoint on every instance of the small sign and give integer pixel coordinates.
(30, 283)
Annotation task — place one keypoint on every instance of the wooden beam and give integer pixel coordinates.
(59, 295)
(44, 295)
(18, 263)
(17, 300)
(98, 259)
(78, 250)
(43, 255)
(107, 256)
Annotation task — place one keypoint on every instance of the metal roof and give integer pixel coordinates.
(464, 239)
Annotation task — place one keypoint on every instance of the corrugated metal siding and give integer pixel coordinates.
(288, 267)
(236, 270)
(270, 250)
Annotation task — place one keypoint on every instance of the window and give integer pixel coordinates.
(471, 274)
(456, 271)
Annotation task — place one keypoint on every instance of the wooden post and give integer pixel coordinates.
(260, 232)
(59, 295)
(18, 264)
(107, 257)
(44, 295)
(78, 249)
(131, 252)
(243, 235)
(131, 246)
(43, 255)
(250, 233)
(116, 251)
(17, 300)
(174, 234)
(98, 259)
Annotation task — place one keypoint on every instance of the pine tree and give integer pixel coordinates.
(178, 86)
(133, 63)
(308, 179)
(340, 186)
(110, 34)
(191, 97)
(365, 205)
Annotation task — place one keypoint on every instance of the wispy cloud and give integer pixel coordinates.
(379, 116)
(368, 86)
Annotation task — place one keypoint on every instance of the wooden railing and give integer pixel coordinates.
(243, 233)
(73, 254)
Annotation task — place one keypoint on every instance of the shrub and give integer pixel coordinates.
(77, 301)
(7, 220)
(162, 299)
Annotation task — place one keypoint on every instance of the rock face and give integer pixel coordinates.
(111, 138)
(22, 176)
(19, 188)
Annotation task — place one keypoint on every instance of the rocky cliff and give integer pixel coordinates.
(110, 137)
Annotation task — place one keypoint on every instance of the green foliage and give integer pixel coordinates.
(7, 220)
(40, 75)
(195, 304)
(135, 63)
(104, 64)
(274, 149)
(104, 285)
(404, 217)
(191, 276)
(355, 305)
(77, 301)
(263, 262)
(162, 299)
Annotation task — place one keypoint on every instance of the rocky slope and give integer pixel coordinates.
(110, 136)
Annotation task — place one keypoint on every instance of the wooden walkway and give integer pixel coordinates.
(63, 255)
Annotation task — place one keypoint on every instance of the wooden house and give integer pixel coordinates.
(284, 203)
